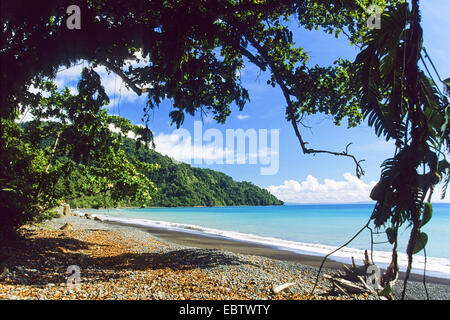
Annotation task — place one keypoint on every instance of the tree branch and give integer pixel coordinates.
(359, 170)
(252, 58)
(117, 70)
(291, 113)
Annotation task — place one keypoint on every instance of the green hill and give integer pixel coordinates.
(179, 184)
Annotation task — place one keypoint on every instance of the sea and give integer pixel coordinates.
(315, 229)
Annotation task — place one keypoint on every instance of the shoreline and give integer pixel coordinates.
(205, 241)
(123, 262)
(437, 267)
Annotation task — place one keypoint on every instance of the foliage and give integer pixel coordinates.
(402, 103)
(195, 51)
(22, 170)
(33, 161)
(177, 184)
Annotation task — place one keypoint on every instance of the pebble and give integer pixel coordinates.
(118, 262)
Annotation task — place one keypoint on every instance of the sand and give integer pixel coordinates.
(119, 262)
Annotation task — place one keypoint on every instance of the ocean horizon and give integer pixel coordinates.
(314, 229)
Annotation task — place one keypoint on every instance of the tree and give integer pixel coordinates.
(196, 48)
(33, 161)
(404, 104)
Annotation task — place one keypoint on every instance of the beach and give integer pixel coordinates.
(127, 263)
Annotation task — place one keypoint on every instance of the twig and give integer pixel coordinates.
(359, 170)
(371, 242)
(334, 251)
(264, 61)
(117, 70)
(291, 114)
(340, 289)
(424, 281)
(53, 151)
(432, 64)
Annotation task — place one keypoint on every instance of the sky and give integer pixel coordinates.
(279, 165)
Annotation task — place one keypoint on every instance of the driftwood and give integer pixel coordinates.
(353, 279)
(281, 287)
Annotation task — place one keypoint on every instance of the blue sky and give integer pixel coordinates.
(300, 178)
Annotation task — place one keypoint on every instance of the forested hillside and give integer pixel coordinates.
(179, 184)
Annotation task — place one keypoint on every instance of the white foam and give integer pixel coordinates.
(439, 267)
(77, 212)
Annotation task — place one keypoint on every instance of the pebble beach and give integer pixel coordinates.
(119, 262)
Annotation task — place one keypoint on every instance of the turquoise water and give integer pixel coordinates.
(311, 228)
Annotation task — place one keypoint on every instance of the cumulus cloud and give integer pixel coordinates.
(351, 189)
(242, 117)
(211, 148)
(114, 86)
(179, 146)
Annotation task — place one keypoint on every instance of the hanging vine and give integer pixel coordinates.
(404, 104)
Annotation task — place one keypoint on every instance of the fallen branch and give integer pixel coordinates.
(354, 280)
(281, 287)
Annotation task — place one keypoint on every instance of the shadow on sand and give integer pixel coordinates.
(45, 260)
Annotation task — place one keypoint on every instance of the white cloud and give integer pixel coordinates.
(115, 129)
(242, 117)
(114, 86)
(178, 145)
(210, 148)
(71, 73)
(351, 189)
(174, 145)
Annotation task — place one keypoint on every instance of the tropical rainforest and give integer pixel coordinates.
(174, 184)
(196, 50)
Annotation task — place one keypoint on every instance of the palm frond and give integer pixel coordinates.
(379, 76)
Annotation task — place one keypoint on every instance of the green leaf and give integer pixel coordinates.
(446, 119)
(427, 213)
(422, 240)
(390, 235)
(385, 292)
(447, 82)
